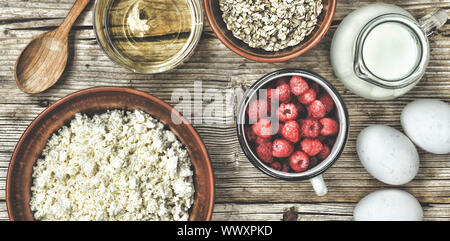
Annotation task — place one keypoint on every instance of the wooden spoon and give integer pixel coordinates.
(43, 61)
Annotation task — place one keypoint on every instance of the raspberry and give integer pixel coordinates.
(283, 91)
(251, 136)
(321, 139)
(316, 87)
(274, 95)
(329, 142)
(300, 109)
(264, 152)
(310, 128)
(276, 165)
(316, 109)
(328, 101)
(269, 95)
(287, 112)
(324, 153)
(291, 131)
(329, 127)
(313, 162)
(285, 167)
(308, 97)
(260, 140)
(280, 127)
(257, 109)
(263, 128)
(311, 147)
(298, 85)
(299, 161)
(281, 81)
(282, 148)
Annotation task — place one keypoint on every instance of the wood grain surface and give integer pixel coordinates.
(242, 192)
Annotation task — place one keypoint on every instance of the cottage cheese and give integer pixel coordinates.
(114, 166)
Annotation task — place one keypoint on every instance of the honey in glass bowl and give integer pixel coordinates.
(148, 36)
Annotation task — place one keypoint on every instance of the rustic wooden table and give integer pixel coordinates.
(242, 192)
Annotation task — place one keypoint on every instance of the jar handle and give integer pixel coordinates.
(433, 21)
(319, 185)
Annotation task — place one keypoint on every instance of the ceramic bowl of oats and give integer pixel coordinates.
(270, 31)
(110, 154)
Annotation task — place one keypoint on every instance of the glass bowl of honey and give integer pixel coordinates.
(148, 36)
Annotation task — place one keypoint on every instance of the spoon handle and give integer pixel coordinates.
(78, 7)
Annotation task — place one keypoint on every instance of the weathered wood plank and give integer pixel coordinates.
(238, 183)
(306, 211)
(3, 211)
(298, 211)
(20, 10)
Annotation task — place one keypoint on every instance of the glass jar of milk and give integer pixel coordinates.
(380, 51)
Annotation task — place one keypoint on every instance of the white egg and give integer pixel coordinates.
(388, 205)
(427, 124)
(387, 154)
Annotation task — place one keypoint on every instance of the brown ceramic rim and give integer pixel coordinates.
(97, 90)
(276, 58)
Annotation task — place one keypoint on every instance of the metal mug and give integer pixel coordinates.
(314, 174)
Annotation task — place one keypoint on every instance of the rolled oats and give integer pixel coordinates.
(271, 25)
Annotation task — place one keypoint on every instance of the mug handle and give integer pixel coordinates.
(319, 185)
(433, 21)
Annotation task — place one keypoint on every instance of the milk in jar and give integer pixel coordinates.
(381, 51)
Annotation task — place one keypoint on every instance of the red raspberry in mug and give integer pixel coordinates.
(298, 85)
(283, 91)
(329, 127)
(311, 147)
(257, 109)
(316, 109)
(329, 141)
(321, 139)
(300, 109)
(282, 148)
(251, 136)
(287, 112)
(316, 87)
(281, 81)
(291, 131)
(260, 140)
(313, 162)
(310, 128)
(308, 97)
(269, 94)
(280, 127)
(264, 152)
(276, 165)
(285, 166)
(299, 161)
(324, 153)
(328, 101)
(263, 128)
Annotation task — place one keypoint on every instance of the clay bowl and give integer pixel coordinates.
(96, 101)
(219, 27)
